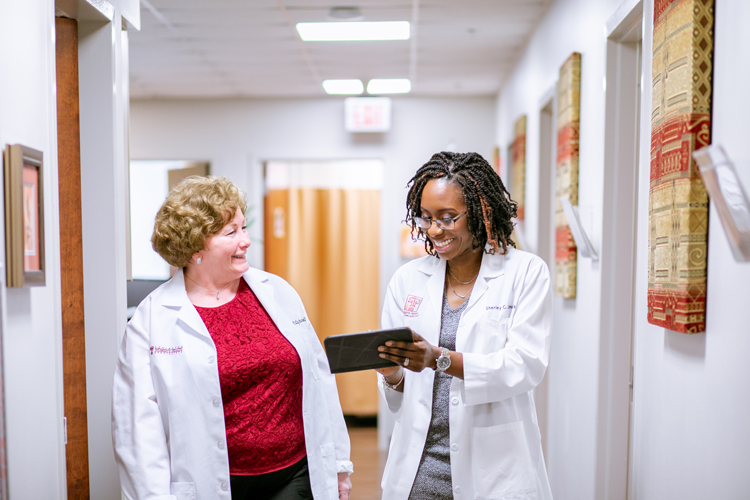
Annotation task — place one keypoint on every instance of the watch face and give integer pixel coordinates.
(443, 362)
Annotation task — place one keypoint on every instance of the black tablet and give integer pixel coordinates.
(351, 352)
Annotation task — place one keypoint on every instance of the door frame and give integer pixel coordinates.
(624, 70)
(545, 236)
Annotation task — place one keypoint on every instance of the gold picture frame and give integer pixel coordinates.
(24, 216)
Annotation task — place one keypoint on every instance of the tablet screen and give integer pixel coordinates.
(359, 351)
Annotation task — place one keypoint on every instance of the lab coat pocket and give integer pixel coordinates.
(183, 491)
(328, 452)
(502, 467)
(494, 333)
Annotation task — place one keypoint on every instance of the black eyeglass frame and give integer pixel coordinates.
(440, 223)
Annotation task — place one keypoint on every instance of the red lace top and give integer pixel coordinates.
(261, 386)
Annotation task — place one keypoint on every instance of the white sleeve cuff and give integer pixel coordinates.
(344, 466)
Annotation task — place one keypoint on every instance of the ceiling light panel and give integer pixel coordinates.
(343, 87)
(354, 31)
(389, 86)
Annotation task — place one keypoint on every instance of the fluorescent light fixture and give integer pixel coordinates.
(353, 31)
(351, 87)
(392, 86)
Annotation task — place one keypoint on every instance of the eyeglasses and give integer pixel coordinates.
(446, 223)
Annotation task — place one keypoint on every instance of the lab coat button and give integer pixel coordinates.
(454, 447)
(457, 490)
(454, 401)
(221, 445)
(210, 360)
(216, 402)
(224, 486)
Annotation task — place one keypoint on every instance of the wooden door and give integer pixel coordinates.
(71, 256)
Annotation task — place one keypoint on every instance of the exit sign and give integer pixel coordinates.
(367, 114)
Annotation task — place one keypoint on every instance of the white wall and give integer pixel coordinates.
(691, 391)
(31, 317)
(690, 400)
(237, 136)
(569, 26)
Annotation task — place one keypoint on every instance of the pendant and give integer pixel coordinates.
(217, 295)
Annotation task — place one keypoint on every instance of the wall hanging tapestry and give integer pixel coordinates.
(518, 166)
(566, 172)
(678, 204)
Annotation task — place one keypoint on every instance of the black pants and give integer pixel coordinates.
(292, 483)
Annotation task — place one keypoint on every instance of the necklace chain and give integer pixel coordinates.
(458, 294)
(218, 292)
(461, 282)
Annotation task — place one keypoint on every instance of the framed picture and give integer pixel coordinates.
(24, 216)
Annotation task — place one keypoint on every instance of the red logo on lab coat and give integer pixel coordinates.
(412, 306)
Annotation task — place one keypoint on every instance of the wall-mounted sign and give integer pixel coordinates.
(367, 114)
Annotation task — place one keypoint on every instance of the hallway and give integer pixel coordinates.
(368, 463)
(646, 394)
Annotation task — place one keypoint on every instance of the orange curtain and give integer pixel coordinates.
(325, 243)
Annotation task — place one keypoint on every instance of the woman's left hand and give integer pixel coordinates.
(420, 353)
(345, 486)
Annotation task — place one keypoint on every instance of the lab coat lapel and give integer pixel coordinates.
(492, 267)
(266, 296)
(265, 293)
(176, 297)
(435, 269)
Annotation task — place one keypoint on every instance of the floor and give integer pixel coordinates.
(368, 463)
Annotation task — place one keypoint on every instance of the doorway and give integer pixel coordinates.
(545, 234)
(322, 235)
(619, 244)
(150, 181)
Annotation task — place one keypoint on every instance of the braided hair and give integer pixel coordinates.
(488, 204)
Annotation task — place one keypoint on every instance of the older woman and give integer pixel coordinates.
(222, 389)
(466, 425)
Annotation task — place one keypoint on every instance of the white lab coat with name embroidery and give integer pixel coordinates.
(167, 413)
(503, 334)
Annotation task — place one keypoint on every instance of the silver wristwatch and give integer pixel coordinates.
(444, 360)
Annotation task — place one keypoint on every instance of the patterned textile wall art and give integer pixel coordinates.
(566, 172)
(518, 166)
(680, 124)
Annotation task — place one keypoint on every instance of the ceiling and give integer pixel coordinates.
(250, 48)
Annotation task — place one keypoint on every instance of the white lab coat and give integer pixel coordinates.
(503, 334)
(167, 413)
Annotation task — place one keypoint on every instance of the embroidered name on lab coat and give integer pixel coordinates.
(509, 306)
(411, 307)
(155, 349)
(299, 321)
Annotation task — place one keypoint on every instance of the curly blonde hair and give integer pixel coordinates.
(196, 209)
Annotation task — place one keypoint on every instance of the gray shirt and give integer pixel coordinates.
(433, 480)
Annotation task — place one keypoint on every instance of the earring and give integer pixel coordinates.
(198, 260)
